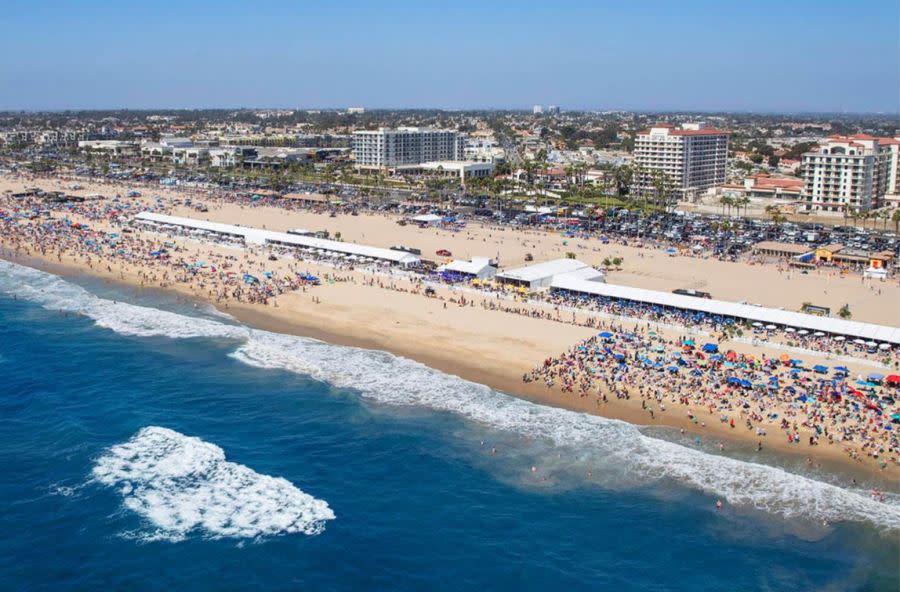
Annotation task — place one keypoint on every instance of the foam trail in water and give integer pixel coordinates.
(184, 485)
(629, 455)
(620, 450)
(55, 293)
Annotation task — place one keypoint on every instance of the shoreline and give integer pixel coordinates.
(830, 460)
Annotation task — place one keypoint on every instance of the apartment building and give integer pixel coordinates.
(387, 148)
(693, 158)
(848, 172)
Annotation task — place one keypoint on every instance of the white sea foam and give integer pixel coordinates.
(624, 454)
(55, 293)
(184, 485)
(620, 448)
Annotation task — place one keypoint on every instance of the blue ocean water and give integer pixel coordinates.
(149, 444)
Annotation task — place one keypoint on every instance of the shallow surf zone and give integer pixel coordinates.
(618, 454)
(614, 450)
(54, 293)
(182, 485)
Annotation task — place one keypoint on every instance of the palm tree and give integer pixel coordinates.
(777, 217)
(623, 175)
(662, 187)
(729, 201)
(895, 218)
(638, 180)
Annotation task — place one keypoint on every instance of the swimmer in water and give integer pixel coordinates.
(718, 504)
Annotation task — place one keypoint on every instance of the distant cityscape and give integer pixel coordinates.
(841, 165)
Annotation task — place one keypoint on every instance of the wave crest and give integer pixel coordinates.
(620, 449)
(182, 484)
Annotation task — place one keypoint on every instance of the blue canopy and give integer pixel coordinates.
(876, 377)
(820, 368)
(842, 369)
(606, 335)
(710, 347)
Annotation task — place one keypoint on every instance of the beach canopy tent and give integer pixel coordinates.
(427, 219)
(541, 275)
(478, 267)
(770, 316)
(710, 348)
(263, 237)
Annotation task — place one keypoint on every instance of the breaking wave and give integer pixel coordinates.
(55, 293)
(183, 485)
(624, 454)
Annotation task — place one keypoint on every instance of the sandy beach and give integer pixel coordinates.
(456, 332)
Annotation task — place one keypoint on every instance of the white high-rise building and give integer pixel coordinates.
(537, 110)
(553, 109)
(386, 148)
(848, 171)
(693, 158)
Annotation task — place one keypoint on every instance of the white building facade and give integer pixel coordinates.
(694, 158)
(852, 172)
(386, 148)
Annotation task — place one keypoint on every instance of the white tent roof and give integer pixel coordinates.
(732, 309)
(585, 273)
(555, 267)
(473, 267)
(427, 218)
(258, 236)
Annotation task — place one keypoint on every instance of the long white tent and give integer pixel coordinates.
(539, 275)
(262, 237)
(761, 314)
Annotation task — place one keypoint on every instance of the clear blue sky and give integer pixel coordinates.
(756, 55)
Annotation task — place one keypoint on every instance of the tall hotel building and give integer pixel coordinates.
(387, 148)
(849, 171)
(693, 157)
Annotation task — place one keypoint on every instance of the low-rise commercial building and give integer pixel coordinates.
(763, 186)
